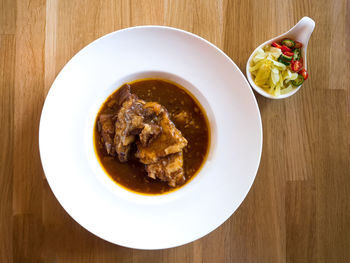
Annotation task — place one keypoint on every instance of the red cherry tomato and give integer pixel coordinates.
(298, 44)
(296, 65)
(274, 44)
(285, 49)
(289, 54)
(304, 73)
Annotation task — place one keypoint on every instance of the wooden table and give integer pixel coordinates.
(298, 209)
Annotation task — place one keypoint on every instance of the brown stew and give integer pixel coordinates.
(180, 104)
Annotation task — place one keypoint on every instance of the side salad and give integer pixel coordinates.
(278, 68)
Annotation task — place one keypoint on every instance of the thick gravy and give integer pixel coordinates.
(187, 115)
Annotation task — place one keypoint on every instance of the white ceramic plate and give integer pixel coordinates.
(103, 207)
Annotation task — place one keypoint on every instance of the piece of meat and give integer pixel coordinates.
(182, 117)
(123, 94)
(135, 118)
(162, 154)
(105, 126)
(148, 125)
(149, 133)
(128, 125)
(168, 142)
(168, 169)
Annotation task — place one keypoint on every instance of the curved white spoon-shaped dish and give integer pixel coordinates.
(301, 32)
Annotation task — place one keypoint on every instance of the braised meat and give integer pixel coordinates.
(138, 141)
(106, 128)
(163, 153)
(147, 124)
(168, 142)
(182, 117)
(168, 169)
(129, 123)
(149, 133)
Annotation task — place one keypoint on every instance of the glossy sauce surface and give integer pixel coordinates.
(132, 175)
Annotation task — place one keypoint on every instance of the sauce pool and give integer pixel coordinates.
(132, 174)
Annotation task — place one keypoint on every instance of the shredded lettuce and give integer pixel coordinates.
(269, 74)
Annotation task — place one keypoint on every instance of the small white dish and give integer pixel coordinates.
(301, 32)
(108, 210)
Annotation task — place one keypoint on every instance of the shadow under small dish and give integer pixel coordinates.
(151, 136)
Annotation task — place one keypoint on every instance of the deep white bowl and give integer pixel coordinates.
(66, 138)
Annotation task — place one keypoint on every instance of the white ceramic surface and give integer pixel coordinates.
(87, 193)
(300, 32)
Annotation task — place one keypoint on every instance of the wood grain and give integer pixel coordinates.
(7, 68)
(298, 209)
(7, 17)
